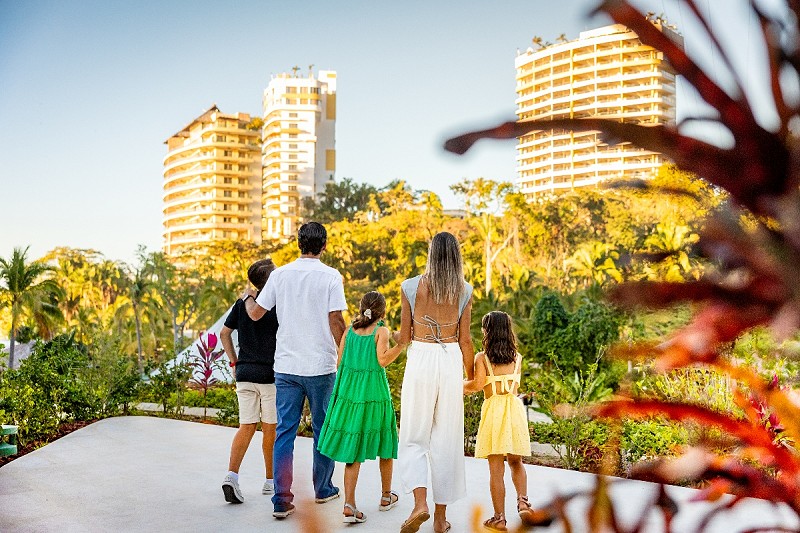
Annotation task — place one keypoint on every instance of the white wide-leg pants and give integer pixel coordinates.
(432, 421)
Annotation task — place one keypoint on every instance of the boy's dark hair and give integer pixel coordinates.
(259, 272)
(311, 238)
(499, 342)
(376, 303)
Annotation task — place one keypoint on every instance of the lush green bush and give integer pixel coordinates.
(563, 351)
(581, 442)
(218, 397)
(578, 440)
(62, 381)
(698, 386)
(167, 386)
(648, 439)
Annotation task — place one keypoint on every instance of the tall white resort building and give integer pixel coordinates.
(606, 72)
(298, 147)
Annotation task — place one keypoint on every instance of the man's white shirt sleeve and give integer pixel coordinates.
(266, 297)
(336, 299)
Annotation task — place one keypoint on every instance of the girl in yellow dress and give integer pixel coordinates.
(503, 430)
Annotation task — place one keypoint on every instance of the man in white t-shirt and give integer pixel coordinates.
(308, 298)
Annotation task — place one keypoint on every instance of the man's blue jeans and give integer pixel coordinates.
(290, 394)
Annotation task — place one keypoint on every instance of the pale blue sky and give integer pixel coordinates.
(89, 90)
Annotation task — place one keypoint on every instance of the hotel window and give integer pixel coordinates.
(292, 167)
(292, 177)
(219, 138)
(291, 89)
(242, 154)
(242, 181)
(291, 101)
(242, 208)
(242, 194)
(304, 100)
(227, 153)
(293, 136)
(292, 115)
(226, 194)
(228, 166)
(226, 207)
(243, 167)
(226, 220)
(293, 146)
(293, 125)
(227, 180)
(292, 156)
(292, 187)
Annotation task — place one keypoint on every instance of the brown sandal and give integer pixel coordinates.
(496, 523)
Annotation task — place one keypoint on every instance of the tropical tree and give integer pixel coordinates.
(485, 200)
(138, 285)
(340, 201)
(181, 291)
(26, 287)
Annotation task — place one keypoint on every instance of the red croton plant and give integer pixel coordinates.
(755, 279)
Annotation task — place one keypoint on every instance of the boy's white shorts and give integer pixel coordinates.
(256, 402)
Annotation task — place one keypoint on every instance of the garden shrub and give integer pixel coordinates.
(578, 440)
(648, 439)
(50, 387)
(218, 397)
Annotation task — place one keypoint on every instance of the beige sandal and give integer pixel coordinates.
(388, 501)
(356, 518)
(496, 523)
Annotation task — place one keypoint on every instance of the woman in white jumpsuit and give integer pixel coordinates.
(435, 318)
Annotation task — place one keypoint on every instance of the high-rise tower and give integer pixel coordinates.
(608, 73)
(299, 147)
(212, 182)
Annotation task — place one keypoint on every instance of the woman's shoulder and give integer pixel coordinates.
(411, 282)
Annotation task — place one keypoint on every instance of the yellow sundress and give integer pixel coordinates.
(504, 423)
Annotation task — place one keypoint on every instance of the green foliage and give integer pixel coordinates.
(569, 343)
(218, 397)
(581, 442)
(578, 440)
(340, 201)
(167, 380)
(698, 386)
(59, 382)
(648, 439)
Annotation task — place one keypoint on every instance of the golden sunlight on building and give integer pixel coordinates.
(299, 149)
(608, 73)
(212, 182)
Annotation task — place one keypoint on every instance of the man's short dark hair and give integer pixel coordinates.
(259, 272)
(311, 238)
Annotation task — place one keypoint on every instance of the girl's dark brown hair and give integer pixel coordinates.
(376, 303)
(499, 342)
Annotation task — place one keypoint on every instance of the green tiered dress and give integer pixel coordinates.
(360, 423)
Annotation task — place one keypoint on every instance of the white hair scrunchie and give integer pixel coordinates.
(368, 313)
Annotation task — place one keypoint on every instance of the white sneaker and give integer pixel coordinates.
(269, 487)
(230, 487)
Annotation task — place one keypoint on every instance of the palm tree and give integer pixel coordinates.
(23, 288)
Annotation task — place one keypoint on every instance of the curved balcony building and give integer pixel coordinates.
(298, 155)
(608, 73)
(212, 182)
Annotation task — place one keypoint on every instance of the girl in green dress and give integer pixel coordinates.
(360, 423)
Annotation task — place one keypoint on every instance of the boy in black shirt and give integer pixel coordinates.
(255, 382)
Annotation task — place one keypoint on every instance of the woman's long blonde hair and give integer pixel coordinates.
(445, 269)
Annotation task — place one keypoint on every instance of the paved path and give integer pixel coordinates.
(152, 474)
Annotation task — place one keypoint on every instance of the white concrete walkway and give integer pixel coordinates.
(152, 474)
